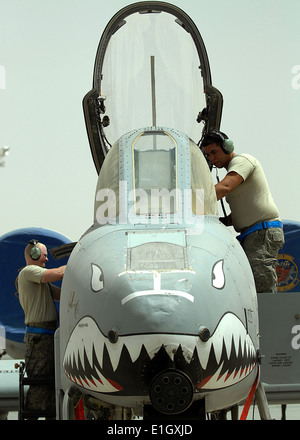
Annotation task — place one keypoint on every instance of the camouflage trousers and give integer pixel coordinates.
(261, 248)
(39, 361)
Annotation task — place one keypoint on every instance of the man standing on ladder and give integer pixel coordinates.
(253, 211)
(37, 298)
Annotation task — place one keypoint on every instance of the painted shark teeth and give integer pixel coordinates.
(94, 363)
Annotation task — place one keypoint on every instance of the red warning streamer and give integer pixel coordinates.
(249, 398)
(79, 411)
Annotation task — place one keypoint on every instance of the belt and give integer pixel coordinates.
(40, 330)
(44, 324)
(258, 227)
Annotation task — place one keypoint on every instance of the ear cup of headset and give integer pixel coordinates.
(35, 252)
(228, 146)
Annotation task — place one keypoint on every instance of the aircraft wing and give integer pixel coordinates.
(9, 386)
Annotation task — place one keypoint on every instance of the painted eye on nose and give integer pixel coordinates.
(218, 277)
(97, 279)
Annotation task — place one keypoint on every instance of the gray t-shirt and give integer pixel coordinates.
(251, 202)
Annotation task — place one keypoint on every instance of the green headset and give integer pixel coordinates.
(226, 144)
(35, 252)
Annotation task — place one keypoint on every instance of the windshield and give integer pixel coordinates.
(154, 168)
(154, 173)
(204, 200)
(151, 77)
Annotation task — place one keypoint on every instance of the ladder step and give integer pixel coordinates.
(38, 381)
(36, 413)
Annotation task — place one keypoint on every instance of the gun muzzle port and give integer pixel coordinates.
(171, 392)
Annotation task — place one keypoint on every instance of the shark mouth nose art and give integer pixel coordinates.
(98, 365)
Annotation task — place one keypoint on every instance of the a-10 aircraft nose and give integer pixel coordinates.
(162, 335)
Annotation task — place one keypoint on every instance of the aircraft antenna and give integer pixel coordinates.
(153, 94)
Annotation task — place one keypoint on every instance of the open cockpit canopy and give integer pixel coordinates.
(151, 70)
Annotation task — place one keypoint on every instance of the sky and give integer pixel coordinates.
(47, 54)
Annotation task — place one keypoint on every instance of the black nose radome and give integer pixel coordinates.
(171, 392)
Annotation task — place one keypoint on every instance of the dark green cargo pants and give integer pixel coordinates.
(39, 361)
(261, 248)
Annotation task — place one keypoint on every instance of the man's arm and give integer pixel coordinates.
(228, 184)
(52, 275)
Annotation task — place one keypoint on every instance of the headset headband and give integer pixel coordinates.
(227, 144)
(33, 242)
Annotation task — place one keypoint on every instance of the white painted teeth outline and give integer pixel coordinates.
(83, 357)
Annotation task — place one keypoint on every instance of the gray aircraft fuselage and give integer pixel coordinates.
(158, 301)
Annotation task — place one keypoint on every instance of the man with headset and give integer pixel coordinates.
(37, 297)
(253, 211)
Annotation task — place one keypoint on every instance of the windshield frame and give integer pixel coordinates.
(195, 194)
(94, 102)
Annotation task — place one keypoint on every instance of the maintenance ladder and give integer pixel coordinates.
(25, 381)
